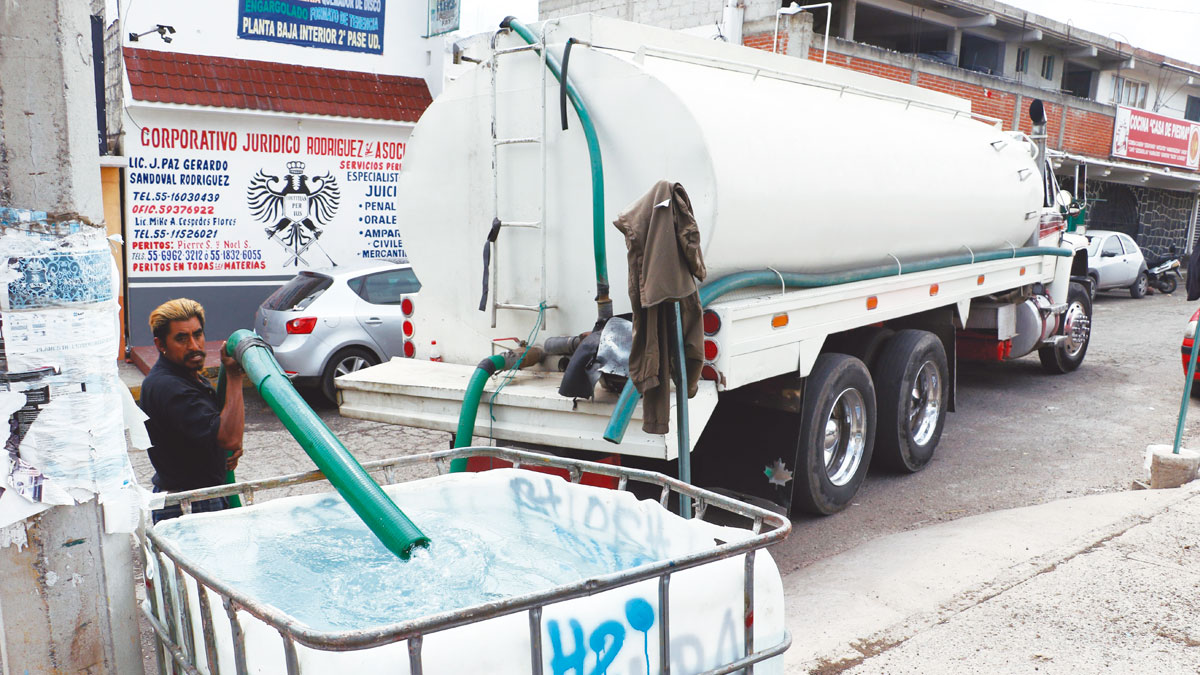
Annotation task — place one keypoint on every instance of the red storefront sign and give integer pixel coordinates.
(1147, 137)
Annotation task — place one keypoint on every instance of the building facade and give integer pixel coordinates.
(255, 140)
(1123, 122)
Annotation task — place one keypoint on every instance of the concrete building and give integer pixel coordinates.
(1124, 121)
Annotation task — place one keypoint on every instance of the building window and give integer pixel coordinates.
(1023, 59)
(1048, 67)
(1193, 109)
(1129, 92)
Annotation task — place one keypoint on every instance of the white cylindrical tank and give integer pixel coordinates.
(789, 164)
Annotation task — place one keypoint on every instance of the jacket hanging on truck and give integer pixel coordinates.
(665, 262)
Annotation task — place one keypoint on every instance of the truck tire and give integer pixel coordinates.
(1138, 289)
(837, 434)
(346, 361)
(1077, 327)
(911, 389)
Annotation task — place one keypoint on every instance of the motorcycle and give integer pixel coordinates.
(1159, 269)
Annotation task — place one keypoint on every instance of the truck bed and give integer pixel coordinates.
(429, 395)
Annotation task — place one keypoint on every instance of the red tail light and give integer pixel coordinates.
(712, 322)
(408, 329)
(302, 326)
(710, 350)
(1050, 224)
(406, 306)
(410, 350)
(708, 372)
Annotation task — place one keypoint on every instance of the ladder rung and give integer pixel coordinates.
(512, 50)
(521, 223)
(530, 308)
(514, 141)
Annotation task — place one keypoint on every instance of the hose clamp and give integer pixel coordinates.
(247, 343)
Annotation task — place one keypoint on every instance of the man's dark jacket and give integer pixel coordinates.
(184, 420)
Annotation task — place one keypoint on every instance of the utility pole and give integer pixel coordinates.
(66, 585)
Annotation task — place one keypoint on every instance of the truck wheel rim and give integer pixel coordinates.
(845, 437)
(926, 403)
(1077, 328)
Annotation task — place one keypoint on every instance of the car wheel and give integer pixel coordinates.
(1094, 287)
(1138, 289)
(837, 434)
(1168, 285)
(346, 361)
(912, 390)
(1066, 356)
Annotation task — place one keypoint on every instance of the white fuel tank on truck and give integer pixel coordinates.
(790, 164)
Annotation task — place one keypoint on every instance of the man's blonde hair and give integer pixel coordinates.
(179, 309)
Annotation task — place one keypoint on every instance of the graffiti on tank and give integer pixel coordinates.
(602, 522)
(593, 652)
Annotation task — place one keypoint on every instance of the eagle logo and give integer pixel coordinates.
(295, 207)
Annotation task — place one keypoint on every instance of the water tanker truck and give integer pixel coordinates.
(861, 237)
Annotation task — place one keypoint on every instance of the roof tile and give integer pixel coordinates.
(194, 79)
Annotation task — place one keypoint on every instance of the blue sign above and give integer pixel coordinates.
(344, 25)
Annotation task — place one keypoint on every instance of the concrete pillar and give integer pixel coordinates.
(799, 30)
(66, 587)
(47, 108)
(954, 43)
(846, 29)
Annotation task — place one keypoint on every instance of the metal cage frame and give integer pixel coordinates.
(179, 650)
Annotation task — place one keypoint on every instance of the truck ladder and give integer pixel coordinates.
(499, 142)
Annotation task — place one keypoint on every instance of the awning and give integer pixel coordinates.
(1127, 173)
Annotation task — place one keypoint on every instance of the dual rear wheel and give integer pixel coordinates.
(848, 417)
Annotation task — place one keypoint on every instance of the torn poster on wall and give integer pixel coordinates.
(58, 380)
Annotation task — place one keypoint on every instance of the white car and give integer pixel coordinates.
(1116, 261)
(332, 321)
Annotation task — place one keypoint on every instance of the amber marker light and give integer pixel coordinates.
(933, 290)
(779, 320)
(979, 281)
(872, 302)
(1022, 271)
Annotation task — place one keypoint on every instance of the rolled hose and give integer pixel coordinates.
(360, 491)
(470, 406)
(628, 400)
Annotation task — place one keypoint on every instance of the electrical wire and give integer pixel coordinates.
(511, 372)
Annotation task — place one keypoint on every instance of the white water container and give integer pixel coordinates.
(789, 164)
(281, 558)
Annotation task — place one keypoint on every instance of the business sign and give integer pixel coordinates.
(235, 197)
(442, 17)
(344, 25)
(1147, 137)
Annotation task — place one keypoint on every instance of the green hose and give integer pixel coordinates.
(360, 491)
(623, 411)
(470, 407)
(603, 302)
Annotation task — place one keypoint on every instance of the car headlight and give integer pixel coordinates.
(1191, 331)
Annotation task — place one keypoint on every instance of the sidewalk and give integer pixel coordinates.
(1106, 583)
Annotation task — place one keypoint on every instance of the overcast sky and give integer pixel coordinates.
(1169, 27)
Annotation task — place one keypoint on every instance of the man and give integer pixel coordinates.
(191, 432)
